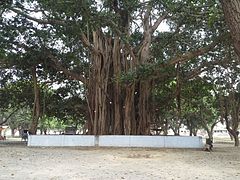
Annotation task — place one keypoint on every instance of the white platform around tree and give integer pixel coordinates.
(116, 141)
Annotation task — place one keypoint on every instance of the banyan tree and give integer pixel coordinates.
(116, 48)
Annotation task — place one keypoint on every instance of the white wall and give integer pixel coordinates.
(60, 140)
(116, 141)
(132, 141)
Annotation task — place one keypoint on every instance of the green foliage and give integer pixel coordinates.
(199, 108)
(141, 72)
(51, 123)
(16, 94)
(20, 118)
(25, 42)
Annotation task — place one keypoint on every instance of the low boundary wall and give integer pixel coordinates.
(116, 141)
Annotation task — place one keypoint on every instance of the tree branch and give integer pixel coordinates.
(204, 67)
(192, 54)
(157, 74)
(83, 37)
(40, 21)
(9, 116)
(87, 44)
(71, 75)
(157, 23)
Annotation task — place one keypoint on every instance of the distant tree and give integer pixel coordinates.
(199, 106)
(20, 120)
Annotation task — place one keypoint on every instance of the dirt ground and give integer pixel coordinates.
(17, 161)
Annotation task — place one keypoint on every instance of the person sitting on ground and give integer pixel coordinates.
(25, 135)
(209, 144)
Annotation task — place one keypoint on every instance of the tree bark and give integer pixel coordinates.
(129, 109)
(232, 127)
(234, 134)
(118, 119)
(36, 105)
(231, 9)
(235, 109)
(144, 109)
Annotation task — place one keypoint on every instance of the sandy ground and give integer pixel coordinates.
(17, 161)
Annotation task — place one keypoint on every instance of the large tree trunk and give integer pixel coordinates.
(234, 134)
(12, 132)
(227, 104)
(235, 106)
(115, 108)
(231, 9)
(144, 109)
(236, 138)
(210, 134)
(104, 94)
(117, 123)
(36, 105)
(98, 85)
(129, 111)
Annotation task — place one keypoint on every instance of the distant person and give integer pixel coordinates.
(209, 144)
(24, 135)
